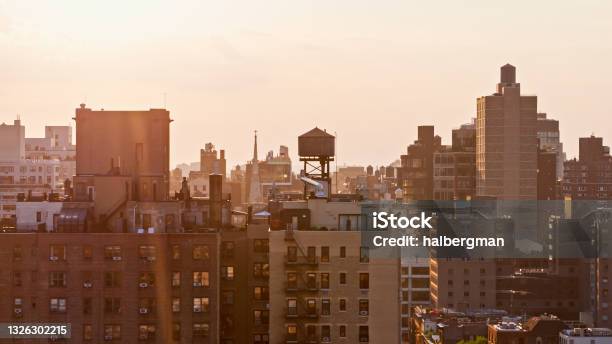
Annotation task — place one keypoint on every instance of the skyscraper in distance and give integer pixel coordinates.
(506, 141)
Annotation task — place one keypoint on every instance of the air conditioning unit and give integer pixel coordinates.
(143, 310)
(17, 310)
(197, 284)
(325, 340)
(108, 337)
(87, 285)
(143, 285)
(197, 310)
(53, 258)
(363, 313)
(143, 337)
(151, 259)
(116, 258)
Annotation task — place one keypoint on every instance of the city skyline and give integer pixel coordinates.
(268, 68)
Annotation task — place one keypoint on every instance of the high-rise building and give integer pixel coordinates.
(506, 141)
(455, 166)
(549, 140)
(415, 176)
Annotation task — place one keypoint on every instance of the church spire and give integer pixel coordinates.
(255, 194)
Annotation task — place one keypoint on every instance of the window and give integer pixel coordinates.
(176, 279)
(325, 334)
(146, 279)
(291, 280)
(87, 253)
(311, 280)
(201, 279)
(364, 280)
(227, 297)
(324, 280)
(311, 333)
(364, 254)
(227, 273)
(57, 252)
(261, 317)
(176, 305)
(261, 293)
(112, 332)
(112, 252)
(311, 306)
(325, 307)
(146, 305)
(147, 252)
(227, 248)
(176, 331)
(87, 305)
(291, 254)
(261, 270)
(176, 252)
(342, 305)
(364, 307)
(17, 254)
(364, 335)
(200, 304)
(112, 305)
(292, 307)
(343, 278)
(261, 245)
(200, 252)
(57, 305)
(311, 254)
(87, 332)
(291, 332)
(57, 279)
(17, 280)
(342, 252)
(325, 254)
(261, 339)
(342, 331)
(146, 332)
(112, 279)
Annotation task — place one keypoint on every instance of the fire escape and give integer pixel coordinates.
(301, 288)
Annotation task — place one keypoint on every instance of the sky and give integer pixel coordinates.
(370, 71)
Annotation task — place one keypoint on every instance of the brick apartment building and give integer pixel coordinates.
(114, 288)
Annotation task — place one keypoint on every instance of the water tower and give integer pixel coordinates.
(316, 149)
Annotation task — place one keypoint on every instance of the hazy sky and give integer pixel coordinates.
(369, 70)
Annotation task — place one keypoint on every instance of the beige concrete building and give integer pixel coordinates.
(324, 286)
(328, 290)
(506, 141)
